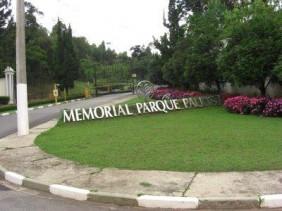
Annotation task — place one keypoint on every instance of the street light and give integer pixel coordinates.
(22, 103)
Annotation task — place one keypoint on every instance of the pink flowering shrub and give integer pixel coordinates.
(237, 104)
(159, 93)
(273, 108)
(255, 105)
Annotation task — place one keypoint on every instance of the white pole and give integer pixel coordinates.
(10, 88)
(22, 105)
(12, 91)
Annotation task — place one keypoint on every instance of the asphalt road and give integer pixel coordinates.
(36, 117)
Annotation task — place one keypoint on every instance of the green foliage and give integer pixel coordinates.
(173, 69)
(141, 61)
(38, 48)
(5, 14)
(6, 35)
(253, 45)
(4, 100)
(65, 62)
(224, 40)
(278, 69)
(204, 40)
(168, 42)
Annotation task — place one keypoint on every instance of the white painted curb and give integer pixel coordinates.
(271, 201)
(14, 178)
(168, 202)
(69, 192)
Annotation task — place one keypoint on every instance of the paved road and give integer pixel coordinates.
(36, 117)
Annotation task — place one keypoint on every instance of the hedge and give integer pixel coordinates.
(4, 100)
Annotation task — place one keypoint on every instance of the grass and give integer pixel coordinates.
(135, 100)
(208, 139)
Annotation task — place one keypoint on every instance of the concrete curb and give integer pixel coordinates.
(264, 201)
(271, 201)
(69, 192)
(14, 178)
(44, 106)
(168, 202)
(227, 203)
(118, 199)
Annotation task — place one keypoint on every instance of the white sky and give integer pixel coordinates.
(123, 23)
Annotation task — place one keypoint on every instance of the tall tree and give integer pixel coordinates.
(65, 62)
(253, 45)
(141, 61)
(38, 47)
(204, 33)
(169, 41)
(71, 63)
(5, 14)
(6, 35)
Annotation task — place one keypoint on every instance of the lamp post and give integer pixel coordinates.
(22, 102)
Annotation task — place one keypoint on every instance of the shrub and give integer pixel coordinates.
(237, 104)
(159, 93)
(4, 100)
(273, 108)
(255, 105)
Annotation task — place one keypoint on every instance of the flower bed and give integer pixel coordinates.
(255, 105)
(160, 93)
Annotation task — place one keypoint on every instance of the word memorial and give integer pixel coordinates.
(160, 106)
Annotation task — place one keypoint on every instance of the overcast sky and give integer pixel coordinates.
(123, 23)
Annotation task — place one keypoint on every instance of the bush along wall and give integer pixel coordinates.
(254, 105)
(4, 100)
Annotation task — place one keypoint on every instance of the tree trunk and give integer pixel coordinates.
(262, 89)
(218, 87)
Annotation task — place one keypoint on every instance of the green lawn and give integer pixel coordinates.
(208, 139)
(135, 100)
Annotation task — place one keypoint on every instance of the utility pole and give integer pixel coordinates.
(22, 104)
